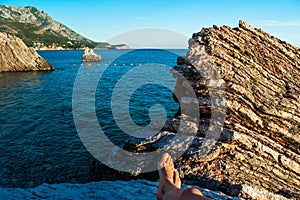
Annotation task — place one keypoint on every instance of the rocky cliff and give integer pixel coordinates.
(16, 56)
(247, 83)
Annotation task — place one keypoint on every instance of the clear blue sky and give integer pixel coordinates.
(100, 20)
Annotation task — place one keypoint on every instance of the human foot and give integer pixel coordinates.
(168, 176)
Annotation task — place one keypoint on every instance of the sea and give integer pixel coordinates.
(39, 141)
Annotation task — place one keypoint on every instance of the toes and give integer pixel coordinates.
(168, 176)
(166, 168)
(169, 163)
(176, 179)
(174, 176)
(163, 161)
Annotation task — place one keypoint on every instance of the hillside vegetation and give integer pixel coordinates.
(39, 30)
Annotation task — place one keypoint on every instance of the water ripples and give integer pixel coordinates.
(38, 139)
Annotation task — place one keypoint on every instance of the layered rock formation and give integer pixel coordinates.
(16, 56)
(90, 56)
(247, 83)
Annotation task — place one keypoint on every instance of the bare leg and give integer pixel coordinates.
(170, 183)
(192, 194)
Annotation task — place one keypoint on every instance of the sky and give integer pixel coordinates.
(101, 20)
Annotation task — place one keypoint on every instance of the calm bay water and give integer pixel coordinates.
(38, 139)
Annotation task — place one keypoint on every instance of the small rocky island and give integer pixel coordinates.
(16, 56)
(90, 56)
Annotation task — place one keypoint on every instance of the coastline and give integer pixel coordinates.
(96, 49)
(70, 49)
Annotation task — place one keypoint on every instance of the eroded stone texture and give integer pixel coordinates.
(16, 56)
(255, 77)
(139, 189)
(90, 56)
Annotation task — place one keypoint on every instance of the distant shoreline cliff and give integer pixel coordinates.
(113, 47)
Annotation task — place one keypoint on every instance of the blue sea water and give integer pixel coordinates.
(39, 142)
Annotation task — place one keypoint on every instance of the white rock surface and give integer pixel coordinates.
(140, 189)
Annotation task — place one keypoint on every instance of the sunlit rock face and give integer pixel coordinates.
(255, 77)
(90, 56)
(16, 56)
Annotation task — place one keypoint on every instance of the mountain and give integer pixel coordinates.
(39, 30)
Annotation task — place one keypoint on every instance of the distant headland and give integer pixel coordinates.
(38, 30)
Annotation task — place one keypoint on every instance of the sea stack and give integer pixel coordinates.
(90, 56)
(16, 56)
